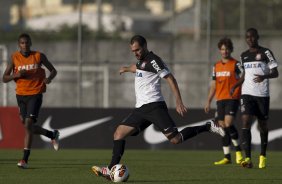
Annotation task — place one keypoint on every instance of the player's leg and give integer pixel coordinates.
(264, 141)
(230, 129)
(247, 139)
(22, 100)
(34, 106)
(226, 140)
(248, 109)
(263, 106)
(231, 108)
(235, 140)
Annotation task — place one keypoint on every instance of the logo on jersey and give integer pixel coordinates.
(143, 65)
(28, 67)
(258, 56)
(252, 65)
(223, 74)
(155, 65)
(139, 74)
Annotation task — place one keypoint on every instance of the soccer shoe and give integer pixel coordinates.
(102, 171)
(224, 161)
(247, 163)
(262, 162)
(22, 164)
(55, 140)
(214, 128)
(239, 157)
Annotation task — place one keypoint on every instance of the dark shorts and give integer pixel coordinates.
(226, 107)
(256, 106)
(153, 113)
(29, 105)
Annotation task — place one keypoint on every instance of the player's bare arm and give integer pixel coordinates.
(7, 77)
(210, 96)
(272, 74)
(131, 68)
(50, 67)
(239, 83)
(180, 108)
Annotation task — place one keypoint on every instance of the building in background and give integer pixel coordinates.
(115, 15)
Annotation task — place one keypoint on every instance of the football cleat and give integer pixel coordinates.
(247, 163)
(262, 162)
(224, 161)
(102, 171)
(55, 140)
(214, 128)
(239, 157)
(22, 164)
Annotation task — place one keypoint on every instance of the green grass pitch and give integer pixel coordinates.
(146, 167)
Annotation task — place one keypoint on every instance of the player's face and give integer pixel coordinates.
(24, 45)
(252, 39)
(138, 51)
(225, 52)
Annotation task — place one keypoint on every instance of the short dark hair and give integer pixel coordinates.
(254, 30)
(139, 39)
(24, 35)
(227, 42)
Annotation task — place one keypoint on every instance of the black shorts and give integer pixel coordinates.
(226, 107)
(256, 106)
(153, 113)
(29, 105)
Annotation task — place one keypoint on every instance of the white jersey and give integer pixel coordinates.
(149, 72)
(257, 63)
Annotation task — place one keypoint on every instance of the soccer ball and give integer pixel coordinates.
(119, 173)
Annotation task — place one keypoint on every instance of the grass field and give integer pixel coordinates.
(74, 166)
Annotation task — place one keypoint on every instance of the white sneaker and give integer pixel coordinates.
(55, 141)
(214, 128)
(22, 164)
(101, 171)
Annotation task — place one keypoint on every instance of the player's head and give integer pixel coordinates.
(24, 43)
(225, 47)
(138, 46)
(252, 37)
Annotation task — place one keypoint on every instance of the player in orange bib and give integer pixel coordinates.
(26, 70)
(225, 74)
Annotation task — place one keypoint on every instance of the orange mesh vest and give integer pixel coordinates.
(225, 78)
(32, 83)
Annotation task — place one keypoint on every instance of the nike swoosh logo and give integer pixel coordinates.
(69, 131)
(272, 135)
(152, 136)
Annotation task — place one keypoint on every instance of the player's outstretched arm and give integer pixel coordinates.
(50, 67)
(131, 68)
(180, 108)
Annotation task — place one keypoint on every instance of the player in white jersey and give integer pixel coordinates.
(259, 65)
(150, 105)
